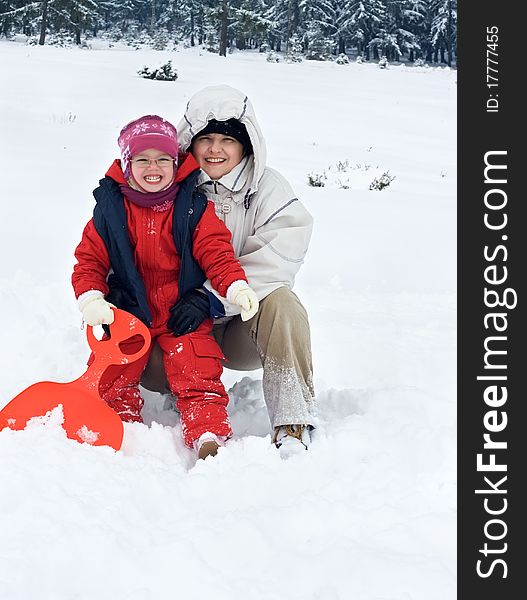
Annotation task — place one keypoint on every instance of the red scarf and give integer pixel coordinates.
(158, 201)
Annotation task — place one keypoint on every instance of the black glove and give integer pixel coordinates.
(189, 312)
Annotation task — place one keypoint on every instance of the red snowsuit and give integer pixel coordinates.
(192, 361)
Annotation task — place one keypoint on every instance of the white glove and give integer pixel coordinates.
(242, 295)
(94, 308)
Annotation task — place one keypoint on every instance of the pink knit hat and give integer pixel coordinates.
(144, 133)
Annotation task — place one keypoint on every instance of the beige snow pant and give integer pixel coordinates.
(278, 339)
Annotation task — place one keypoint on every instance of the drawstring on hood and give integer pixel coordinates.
(247, 199)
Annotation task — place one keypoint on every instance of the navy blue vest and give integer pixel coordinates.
(127, 289)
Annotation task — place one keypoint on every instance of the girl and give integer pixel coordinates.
(153, 240)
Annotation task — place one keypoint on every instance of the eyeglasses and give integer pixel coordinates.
(143, 163)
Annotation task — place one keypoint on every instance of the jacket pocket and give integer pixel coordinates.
(208, 356)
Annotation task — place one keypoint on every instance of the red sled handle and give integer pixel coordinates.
(125, 326)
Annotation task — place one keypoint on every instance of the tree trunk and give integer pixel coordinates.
(192, 42)
(449, 33)
(201, 34)
(296, 16)
(342, 45)
(223, 27)
(153, 16)
(289, 25)
(78, 35)
(44, 23)
(411, 57)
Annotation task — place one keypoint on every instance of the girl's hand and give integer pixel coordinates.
(95, 310)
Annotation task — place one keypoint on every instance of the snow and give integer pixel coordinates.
(369, 512)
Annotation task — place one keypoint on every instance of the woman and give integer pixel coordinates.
(270, 230)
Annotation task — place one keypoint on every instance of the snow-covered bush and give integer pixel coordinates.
(160, 40)
(420, 62)
(360, 59)
(138, 39)
(294, 51)
(318, 45)
(383, 62)
(342, 59)
(113, 34)
(165, 72)
(293, 58)
(379, 183)
(62, 39)
(272, 57)
(264, 47)
(212, 43)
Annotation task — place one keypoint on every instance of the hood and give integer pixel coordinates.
(222, 102)
(186, 165)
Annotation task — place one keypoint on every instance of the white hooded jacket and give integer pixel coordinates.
(270, 227)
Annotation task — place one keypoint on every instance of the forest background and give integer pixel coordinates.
(413, 31)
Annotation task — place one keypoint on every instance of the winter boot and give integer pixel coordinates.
(291, 439)
(208, 444)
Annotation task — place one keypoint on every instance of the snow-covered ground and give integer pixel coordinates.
(369, 513)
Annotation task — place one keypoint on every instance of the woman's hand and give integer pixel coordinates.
(242, 295)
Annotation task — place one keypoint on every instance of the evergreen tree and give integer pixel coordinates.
(444, 23)
(363, 20)
(249, 27)
(74, 15)
(19, 16)
(295, 50)
(396, 28)
(396, 37)
(284, 16)
(318, 19)
(121, 14)
(187, 19)
(342, 37)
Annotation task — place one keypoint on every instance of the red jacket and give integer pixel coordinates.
(155, 252)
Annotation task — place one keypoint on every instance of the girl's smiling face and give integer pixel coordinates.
(152, 170)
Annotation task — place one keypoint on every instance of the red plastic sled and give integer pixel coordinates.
(87, 418)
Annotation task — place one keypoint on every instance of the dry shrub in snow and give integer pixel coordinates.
(344, 175)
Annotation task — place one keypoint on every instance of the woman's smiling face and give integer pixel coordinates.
(217, 154)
